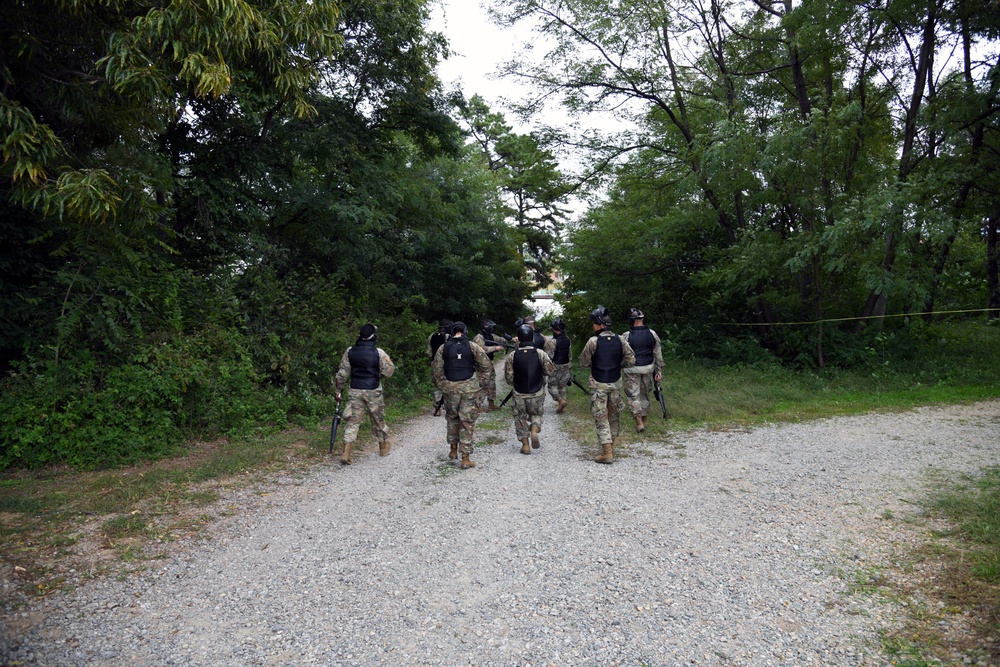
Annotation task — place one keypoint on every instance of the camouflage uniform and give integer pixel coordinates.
(638, 380)
(360, 401)
(528, 408)
(489, 380)
(461, 398)
(605, 400)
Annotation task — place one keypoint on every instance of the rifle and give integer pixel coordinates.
(437, 406)
(658, 393)
(337, 416)
(573, 380)
(506, 398)
(500, 343)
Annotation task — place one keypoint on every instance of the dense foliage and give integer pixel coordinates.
(200, 204)
(789, 162)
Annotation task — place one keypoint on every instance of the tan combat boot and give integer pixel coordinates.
(466, 462)
(562, 406)
(525, 447)
(492, 407)
(384, 447)
(345, 457)
(453, 452)
(607, 456)
(535, 444)
(639, 426)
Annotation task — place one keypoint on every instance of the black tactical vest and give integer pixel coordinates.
(437, 340)
(539, 341)
(641, 340)
(459, 362)
(561, 354)
(363, 356)
(606, 364)
(528, 375)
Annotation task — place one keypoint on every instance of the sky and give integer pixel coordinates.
(479, 48)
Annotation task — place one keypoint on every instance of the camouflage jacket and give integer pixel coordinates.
(385, 367)
(470, 386)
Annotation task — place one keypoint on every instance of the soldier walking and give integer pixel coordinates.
(483, 340)
(434, 341)
(455, 367)
(525, 370)
(639, 379)
(605, 354)
(537, 339)
(558, 349)
(363, 364)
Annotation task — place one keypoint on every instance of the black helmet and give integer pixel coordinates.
(445, 324)
(518, 322)
(635, 314)
(368, 332)
(600, 316)
(558, 325)
(489, 326)
(525, 334)
(459, 326)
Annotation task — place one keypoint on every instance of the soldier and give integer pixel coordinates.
(606, 354)
(364, 363)
(483, 340)
(455, 366)
(525, 370)
(434, 341)
(558, 349)
(538, 340)
(648, 367)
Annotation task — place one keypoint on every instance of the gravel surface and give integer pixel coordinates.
(714, 548)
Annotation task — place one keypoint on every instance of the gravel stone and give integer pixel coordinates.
(739, 547)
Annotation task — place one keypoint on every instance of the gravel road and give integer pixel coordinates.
(714, 548)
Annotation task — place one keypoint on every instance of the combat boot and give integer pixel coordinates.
(492, 407)
(562, 406)
(607, 456)
(384, 447)
(345, 457)
(466, 462)
(639, 426)
(535, 444)
(525, 447)
(453, 453)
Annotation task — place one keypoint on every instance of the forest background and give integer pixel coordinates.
(203, 200)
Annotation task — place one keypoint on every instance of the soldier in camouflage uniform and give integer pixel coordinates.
(638, 382)
(364, 364)
(538, 340)
(558, 349)
(434, 341)
(606, 354)
(483, 340)
(525, 370)
(456, 366)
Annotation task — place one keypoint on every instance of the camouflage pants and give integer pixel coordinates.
(605, 405)
(360, 401)
(488, 383)
(638, 386)
(461, 411)
(528, 411)
(559, 380)
(437, 392)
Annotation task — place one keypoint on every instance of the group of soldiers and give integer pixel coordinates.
(465, 378)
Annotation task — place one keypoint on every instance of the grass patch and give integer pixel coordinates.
(959, 573)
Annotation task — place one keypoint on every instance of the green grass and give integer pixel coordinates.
(973, 508)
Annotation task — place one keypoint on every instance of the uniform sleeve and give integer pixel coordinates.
(550, 346)
(483, 362)
(588, 352)
(548, 368)
(343, 372)
(385, 365)
(508, 369)
(628, 355)
(430, 352)
(657, 354)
